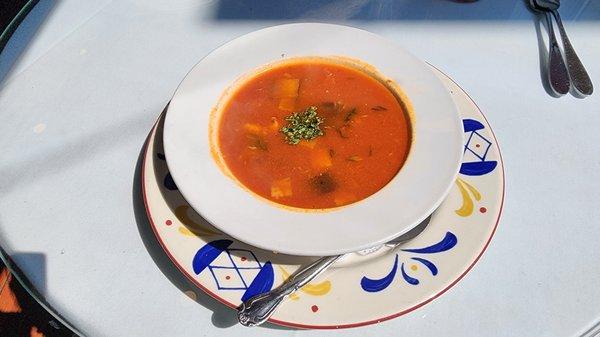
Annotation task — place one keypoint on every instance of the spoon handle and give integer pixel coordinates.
(557, 72)
(259, 308)
(579, 77)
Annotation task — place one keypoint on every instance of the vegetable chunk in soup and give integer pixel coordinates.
(313, 134)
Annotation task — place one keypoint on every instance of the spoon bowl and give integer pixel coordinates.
(581, 82)
(558, 75)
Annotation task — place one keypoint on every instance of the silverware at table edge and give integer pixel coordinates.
(579, 77)
(558, 75)
(257, 310)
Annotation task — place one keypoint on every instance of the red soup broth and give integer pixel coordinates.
(366, 134)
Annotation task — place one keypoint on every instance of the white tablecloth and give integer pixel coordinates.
(78, 104)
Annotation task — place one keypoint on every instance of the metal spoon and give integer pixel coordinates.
(257, 310)
(557, 71)
(579, 77)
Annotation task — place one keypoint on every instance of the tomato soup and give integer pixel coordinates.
(313, 134)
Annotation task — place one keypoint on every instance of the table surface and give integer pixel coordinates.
(77, 105)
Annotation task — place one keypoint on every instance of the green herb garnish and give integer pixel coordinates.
(302, 125)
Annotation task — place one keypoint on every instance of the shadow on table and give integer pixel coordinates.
(539, 22)
(16, 38)
(369, 10)
(23, 310)
(34, 266)
(223, 316)
(410, 10)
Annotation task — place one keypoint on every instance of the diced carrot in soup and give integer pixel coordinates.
(281, 188)
(287, 103)
(321, 159)
(286, 88)
(253, 128)
(343, 198)
(337, 134)
(274, 124)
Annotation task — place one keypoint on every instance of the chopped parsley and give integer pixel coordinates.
(302, 125)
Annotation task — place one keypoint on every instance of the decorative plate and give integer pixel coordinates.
(361, 290)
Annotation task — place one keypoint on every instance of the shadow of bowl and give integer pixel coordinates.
(223, 316)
